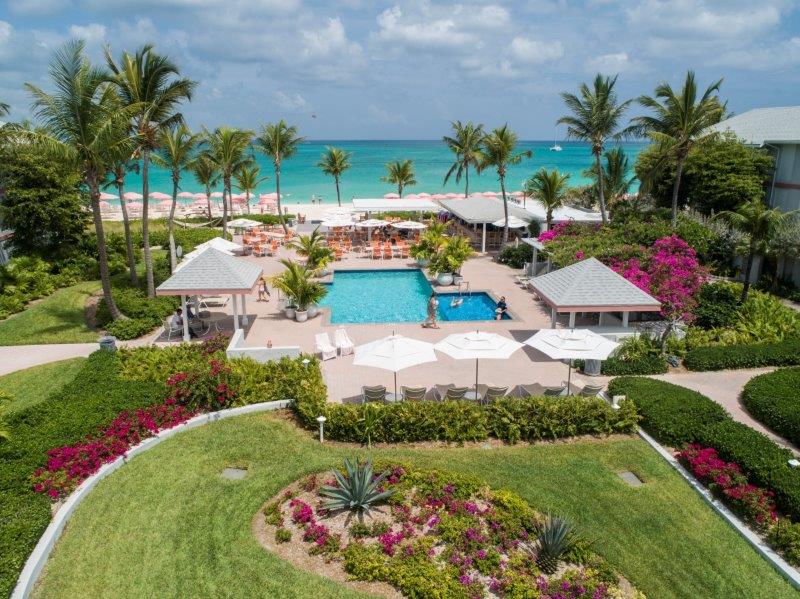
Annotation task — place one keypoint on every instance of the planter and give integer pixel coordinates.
(423, 262)
(444, 279)
(457, 278)
(301, 315)
(313, 310)
(289, 311)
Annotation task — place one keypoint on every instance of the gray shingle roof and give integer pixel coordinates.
(476, 210)
(212, 272)
(765, 125)
(591, 283)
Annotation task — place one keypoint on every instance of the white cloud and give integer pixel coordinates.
(38, 7)
(612, 64)
(93, 33)
(780, 55)
(331, 39)
(292, 102)
(419, 31)
(531, 51)
(383, 116)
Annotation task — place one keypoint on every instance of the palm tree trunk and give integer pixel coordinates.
(747, 271)
(225, 184)
(173, 259)
(278, 191)
(505, 207)
(208, 201)
(600, 190)
(247, 200)
(148, 257)
(676, 186)
(338, 195)
(466, 181)
(126, 225)
(105, 278)
(400, 190)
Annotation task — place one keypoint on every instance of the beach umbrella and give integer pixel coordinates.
(489, 194)
(424, 195)
(439, 196)
(199, 196)
(157, 195)
(269, 196)
(452, 195)
(186, 194)
(409, 224)
(266, 202)
(518, 194)
(216, 194)
(478, 345)
(412, 196)
(394, 353)
(391, 196)
(135, 205)
(371, 223)
(104, 205)
(513, 223)
(572, 344)
(132, 195)
(165, 204)
(108, 196)
(336, 222)
(243, 223)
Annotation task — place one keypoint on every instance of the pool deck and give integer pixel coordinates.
(345, 380)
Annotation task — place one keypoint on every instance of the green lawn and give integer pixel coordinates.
(58, 318)
(32, 385)
(166, 525)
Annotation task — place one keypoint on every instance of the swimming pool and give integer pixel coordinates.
(390, 295)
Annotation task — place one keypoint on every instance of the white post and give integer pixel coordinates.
(483, 240)
(572, 320)
(244, 310)
(235, 312)
(185, 319)
(625, 319)
(553, 316)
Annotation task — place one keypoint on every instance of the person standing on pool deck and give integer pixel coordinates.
(433, 306)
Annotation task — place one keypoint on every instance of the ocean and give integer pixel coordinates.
(301, 178)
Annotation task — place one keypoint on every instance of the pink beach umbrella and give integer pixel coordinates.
(107, 196)
(199, 196)
(136, 205)
(186, 194)
(391, 196)
(439, 196)
(266, 202)
(412, 196)
(489, 194)
(165, 204)
(268, 196)
(451, 195)
(216, 194)
(424, 195)
(518, 194)
(157, 195)
(104, 205)
(132, 195)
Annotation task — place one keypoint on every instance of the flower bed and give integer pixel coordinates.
(439, 534)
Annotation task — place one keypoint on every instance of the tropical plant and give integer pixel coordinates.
(430, 242)
(554, 539)
(85, 123)
(596, 114)
(759, 222)
(227, 148)
(465, 144)
(5, 432)
(176, 154)
(401, 174)
(357, 490)
(498, 151)
(335, 162)
(616, 180)
(4, 109)
(279, 142)
(248, 180)
(298, 284)
(121, 166)
(679, 122)
(206, 174)
(313, 248)
(152, 84)
(369, 421)
(549, 189)
(452, 255)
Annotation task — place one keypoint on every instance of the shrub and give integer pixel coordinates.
(721, 357)
(761, 460)
(209, 387)
(773, 400)
(283, 535)
(130, 329)
(515, 256)
(672, 414)
(717, 306)
(784, 537)
(616, 366)
(145, 313)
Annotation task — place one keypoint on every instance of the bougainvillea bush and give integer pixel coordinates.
(440, 534)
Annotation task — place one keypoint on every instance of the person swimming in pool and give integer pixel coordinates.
(502, 308)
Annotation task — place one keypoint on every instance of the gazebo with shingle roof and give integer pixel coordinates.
(212, 272)
(591, 286)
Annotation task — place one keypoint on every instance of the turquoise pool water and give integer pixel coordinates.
(376, 296)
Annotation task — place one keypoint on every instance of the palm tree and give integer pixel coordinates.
(248, 180)
(465, 144)
(121, 166)
(279, 142)
(595, 118)
(759, 222)
(313, 248)
(549, 189)
(616, 167)
(227, 148)
(400, 173)
(335, 162)
(499, 151)
(176, 154)
(679, 122)
(4, 109)
(150, 82)
(85, 123)
(206, 174)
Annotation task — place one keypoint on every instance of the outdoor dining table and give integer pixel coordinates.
(215, 318)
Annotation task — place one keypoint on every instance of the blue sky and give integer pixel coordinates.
(404, 69)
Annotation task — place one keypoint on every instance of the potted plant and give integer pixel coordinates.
(296, 282)
(314, 249)
(308, 296)
(446, 264)
(429, 243)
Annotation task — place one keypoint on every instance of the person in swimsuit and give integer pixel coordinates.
(502, 308)
(263, 292)
(433, 307)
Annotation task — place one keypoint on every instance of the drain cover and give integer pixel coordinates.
(233, 473)
(630, 478)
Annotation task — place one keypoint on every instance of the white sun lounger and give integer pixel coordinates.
(343, 342)
(323, 346)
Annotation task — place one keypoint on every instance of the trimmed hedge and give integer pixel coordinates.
(671, 413)
(774, 400)
(764, 462)
(91, 400)
(723, 357)
(641, 365)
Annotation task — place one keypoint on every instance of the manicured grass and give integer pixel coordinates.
(33, 385)
(58, 318)
(168, 525)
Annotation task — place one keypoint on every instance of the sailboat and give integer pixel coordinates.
(555, 147)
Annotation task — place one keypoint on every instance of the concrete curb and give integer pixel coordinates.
(775, 560)
(36, 561)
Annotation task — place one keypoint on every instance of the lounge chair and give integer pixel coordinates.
(554, 391)
(449, 392)
(171, 329)
(413, 393)
(343, 342)
(590, 390)
(491, 392)
(373, 393)
(322, 346)
(532, 390)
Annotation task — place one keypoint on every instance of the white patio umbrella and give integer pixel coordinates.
(371, 223)
(336, 222)
(394, 353)
(572, 344)
(243, 223)
(478, 345)
(409, 224)
(513, 223)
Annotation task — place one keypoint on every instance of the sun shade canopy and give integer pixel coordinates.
(212, 272)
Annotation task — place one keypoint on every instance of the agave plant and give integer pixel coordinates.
(357, 490)
(553, 540)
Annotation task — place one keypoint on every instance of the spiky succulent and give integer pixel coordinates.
(553, 540)
(357, 490)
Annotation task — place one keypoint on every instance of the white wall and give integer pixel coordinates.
(237, 349)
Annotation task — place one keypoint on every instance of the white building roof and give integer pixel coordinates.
(212, 272)
(591, 286)
(479, 209)
(562, 214)
(765, 125)
(389, 205)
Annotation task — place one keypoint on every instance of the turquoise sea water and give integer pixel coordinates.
(301, 178)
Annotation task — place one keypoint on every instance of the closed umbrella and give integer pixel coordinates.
(572, 344)
(394, 353)
(478, 345)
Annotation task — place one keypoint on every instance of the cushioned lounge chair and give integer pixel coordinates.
(449, 392)
(532, 390)
(373, 393)
(323, 346)
(413, 393)
(591, 390)
(491, 392)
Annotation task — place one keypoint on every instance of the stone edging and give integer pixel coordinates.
(37, 559)
(769, 554)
